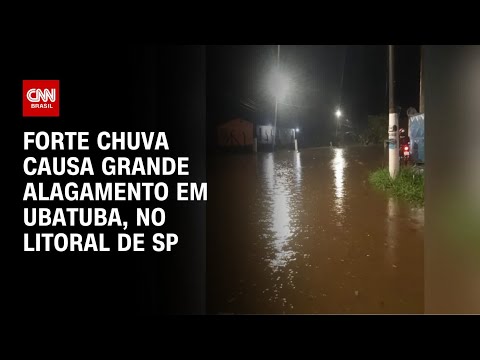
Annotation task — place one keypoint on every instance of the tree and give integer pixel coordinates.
(376, 131)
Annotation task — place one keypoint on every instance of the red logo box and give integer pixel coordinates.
(41, 98)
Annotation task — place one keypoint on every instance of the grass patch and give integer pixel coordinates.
(407, 185)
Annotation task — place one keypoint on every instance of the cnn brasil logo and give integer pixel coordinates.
(41, 98)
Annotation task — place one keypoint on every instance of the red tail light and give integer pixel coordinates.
(406, 148)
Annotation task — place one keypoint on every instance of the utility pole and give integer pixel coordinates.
(255, 136)
(422, 90)
(276, 101)
(393, 152)
(295, 139)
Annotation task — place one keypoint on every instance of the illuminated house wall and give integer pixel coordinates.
(285, 136)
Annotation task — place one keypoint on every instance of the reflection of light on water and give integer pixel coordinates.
(392, 230)
(281, 193)
(298, 169)
(269, 171)
(281, 224)
(338, 167)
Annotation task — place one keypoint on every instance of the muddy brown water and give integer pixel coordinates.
(304, 232)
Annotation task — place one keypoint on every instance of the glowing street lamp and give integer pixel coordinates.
(279, 84)
(338, 114)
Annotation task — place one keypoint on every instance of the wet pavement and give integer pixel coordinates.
(305, 232)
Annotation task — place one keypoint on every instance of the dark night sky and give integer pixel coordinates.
(237, 84)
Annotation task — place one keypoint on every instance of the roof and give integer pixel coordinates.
(236, 121)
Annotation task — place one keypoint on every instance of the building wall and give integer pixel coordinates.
(265, 135)
(235, 133)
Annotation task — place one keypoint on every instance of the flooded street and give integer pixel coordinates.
(304, 232)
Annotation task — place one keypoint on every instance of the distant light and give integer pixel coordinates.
(338, 113)
(297, 130)
(279, 84)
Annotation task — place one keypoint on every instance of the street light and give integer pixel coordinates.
(279, 84)
(338, 114)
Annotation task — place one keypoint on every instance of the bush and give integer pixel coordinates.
(407, 185)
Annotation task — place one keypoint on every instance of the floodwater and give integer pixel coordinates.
(304, 232)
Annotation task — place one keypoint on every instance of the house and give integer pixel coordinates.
(235, 133)
(285, 136)
(265, 134)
